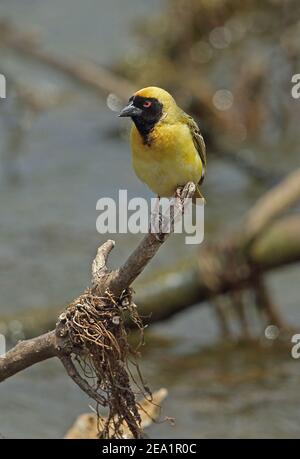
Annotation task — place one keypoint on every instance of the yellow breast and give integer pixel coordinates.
(169, 161)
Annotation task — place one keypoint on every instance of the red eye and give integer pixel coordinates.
(147, 104)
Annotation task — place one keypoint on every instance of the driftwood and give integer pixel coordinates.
(92, 330)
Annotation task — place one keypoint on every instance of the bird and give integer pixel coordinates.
(168, 150)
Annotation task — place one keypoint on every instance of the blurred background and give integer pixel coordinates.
(229, 64)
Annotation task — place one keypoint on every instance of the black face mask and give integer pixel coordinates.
(145, 112)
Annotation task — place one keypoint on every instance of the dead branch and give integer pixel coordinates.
(167, 292)
(27, 353)
(92, 329)
(118, 280)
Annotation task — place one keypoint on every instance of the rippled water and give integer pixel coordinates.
(48, 239)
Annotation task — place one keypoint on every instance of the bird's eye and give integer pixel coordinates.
(147, 104)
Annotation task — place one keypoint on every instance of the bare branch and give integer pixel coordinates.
(56, 343)
(27, 353)
(123, 277)
(99, 267)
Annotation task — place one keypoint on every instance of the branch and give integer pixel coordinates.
(99, 265)
(27, 353)
(170, 290)
(118, 280)
(56, 343)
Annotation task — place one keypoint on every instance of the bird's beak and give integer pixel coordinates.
(130, 110)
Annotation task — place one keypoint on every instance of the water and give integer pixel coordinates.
(99, 29)
(48, 238)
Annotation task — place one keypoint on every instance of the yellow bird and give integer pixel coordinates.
(167, 148)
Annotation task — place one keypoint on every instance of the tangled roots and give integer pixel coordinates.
(95, 327)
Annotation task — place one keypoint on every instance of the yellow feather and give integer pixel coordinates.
(170, 161)
(171, 158)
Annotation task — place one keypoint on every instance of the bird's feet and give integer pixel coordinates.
(159, 225)
(164, 223)
(179, 203)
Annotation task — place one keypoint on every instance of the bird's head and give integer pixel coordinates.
(149, 105)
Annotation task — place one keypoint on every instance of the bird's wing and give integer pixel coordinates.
(197, 139)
